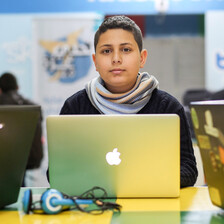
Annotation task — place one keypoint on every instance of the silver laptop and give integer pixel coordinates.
(17, 128)
(127, 155)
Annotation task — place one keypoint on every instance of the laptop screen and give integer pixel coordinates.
(17, 128)
(207, 118)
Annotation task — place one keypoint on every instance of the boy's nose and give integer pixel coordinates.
(116, 58)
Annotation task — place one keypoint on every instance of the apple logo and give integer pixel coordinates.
(113, 157)
(1, 125)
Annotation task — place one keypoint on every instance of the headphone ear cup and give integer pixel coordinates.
(47, 201)
(27, 201)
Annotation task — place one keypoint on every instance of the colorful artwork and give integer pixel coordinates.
(67, 59)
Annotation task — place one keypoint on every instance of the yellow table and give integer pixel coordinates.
(193, 206)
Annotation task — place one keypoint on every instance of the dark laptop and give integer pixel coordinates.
(208, 121)
(17, 128)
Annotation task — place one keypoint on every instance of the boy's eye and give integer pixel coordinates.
(126, 49)
(106, 51)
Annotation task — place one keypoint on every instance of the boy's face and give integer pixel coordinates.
(118, 60)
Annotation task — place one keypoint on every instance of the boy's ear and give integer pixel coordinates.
(94, 60)
(143, 59)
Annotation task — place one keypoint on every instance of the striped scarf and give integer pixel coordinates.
(125, 103)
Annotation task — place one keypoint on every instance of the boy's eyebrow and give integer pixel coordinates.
(105, 45)
(126, 44)
(109, 45)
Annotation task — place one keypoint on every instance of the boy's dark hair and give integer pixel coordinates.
(119, 22)
(8, 82)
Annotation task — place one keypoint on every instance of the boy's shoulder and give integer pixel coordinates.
(78, 103)
(80, 95)
(162, 101)
(164, 96)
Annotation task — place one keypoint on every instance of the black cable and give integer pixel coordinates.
(101, 205)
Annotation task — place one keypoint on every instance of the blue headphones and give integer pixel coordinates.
(53, 202)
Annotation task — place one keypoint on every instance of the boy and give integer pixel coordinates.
(121, 89)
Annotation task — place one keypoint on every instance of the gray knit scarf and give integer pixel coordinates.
(125, 103)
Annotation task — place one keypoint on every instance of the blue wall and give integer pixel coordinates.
(108, 6)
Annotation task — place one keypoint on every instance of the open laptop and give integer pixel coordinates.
(127, 155)
(17, 128)
(208, 122)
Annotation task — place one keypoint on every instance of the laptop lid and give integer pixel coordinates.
(207, 118)
(127, 155)
(17, 127)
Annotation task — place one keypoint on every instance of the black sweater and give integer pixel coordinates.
(159, 103)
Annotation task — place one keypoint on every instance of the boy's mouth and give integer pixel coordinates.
(117, 71)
